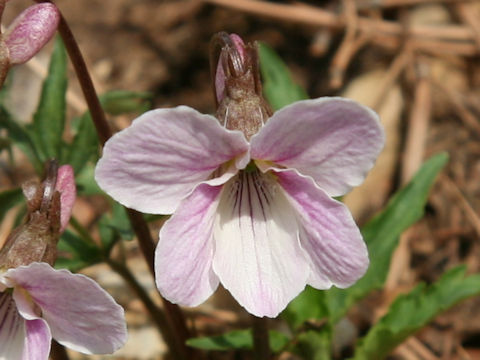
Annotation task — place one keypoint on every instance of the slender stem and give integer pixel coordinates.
(175, 317)
(58, 352)
(261, 341)
(86, 83)
(173, 313)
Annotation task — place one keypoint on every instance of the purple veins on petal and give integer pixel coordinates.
(258, 257)
(251, 200)
(12, 329)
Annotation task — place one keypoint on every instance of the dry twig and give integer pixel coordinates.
(470, 213)
(447, 39)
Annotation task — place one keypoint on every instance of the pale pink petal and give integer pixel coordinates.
(81, 315)
(30, 31)
(333, 140)
(37, 341)
(258, 257)
(183, 258)
(12, 329)
(157, 161)
(68, 193)
(328, 233)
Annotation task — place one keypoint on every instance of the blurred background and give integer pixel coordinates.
(416, 62)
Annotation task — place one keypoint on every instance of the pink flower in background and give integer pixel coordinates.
(38, 302)
(47, 303)
(252, 209)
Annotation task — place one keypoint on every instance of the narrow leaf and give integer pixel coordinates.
(123, 101)
(49, 119)
(84, 146)
(75, 253)
(412, 311)
(278, 87)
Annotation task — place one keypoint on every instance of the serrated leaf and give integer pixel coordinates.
(9, 199)
(75, 253)
(382, 233)
(278, 87)
(49, 119)
(123, 101)
(410, 312)
(238, 339)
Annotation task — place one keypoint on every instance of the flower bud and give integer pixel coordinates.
(239, 45)
(30, 31)
(237, 85)
(49, 206)
(66, 187)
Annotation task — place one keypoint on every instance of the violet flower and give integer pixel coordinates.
(252, 209)
(38, 302)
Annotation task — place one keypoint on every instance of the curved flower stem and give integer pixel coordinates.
(175, 319)
(261, 341)
(58, 352)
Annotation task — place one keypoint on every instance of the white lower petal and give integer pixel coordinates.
(12, 329)
(258, 257)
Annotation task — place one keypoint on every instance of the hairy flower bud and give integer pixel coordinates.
(237, 85)
(49, 206)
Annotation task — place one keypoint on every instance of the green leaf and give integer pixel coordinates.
(278, 87)
(75, 253)
(313, 345)
(84, 146)
(113, 227)
(309, 305)
(382, 233)
(238, 339)
(122, 101)
(412, 311)
(20, 137)
(49, 119)
(9, 199)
